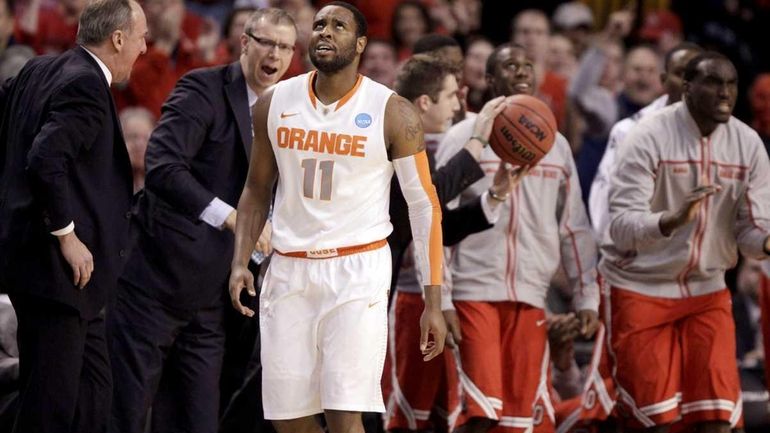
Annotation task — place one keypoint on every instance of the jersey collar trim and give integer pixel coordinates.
(342, 101)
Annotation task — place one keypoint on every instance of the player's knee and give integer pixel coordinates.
(340, 421)
(302, 425)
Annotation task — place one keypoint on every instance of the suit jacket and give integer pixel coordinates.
(450, 180)
(199, 150)
(64, 159)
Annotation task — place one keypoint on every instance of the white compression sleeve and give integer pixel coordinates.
(424, 216)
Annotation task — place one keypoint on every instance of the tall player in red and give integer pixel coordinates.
(692, 186)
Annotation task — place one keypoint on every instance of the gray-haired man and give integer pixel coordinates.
(65, 196)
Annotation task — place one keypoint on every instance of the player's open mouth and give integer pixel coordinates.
(269, 70)
(323, 48)
(723, 107)
(522, 87)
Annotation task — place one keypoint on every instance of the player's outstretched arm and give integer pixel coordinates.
(254, 205)
(406, 145)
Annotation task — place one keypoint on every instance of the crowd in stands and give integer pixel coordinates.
(589, 55)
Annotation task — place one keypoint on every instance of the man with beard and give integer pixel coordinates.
(500, 276)
(333, 139)
(692, 185)
(169, 316)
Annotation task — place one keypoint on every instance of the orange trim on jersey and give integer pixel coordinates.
(310, 91)
(327, 253)
(342, 101)
(350, 93)
(435, 245)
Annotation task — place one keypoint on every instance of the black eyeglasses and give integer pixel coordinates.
(270, 44)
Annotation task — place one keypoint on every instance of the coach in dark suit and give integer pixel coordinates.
(65, 199)
(166, 330)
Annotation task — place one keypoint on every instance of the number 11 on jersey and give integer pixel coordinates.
(327, 171)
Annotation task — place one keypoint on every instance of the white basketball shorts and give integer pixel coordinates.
(324, 326)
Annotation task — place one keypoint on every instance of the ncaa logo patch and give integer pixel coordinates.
(363, 120)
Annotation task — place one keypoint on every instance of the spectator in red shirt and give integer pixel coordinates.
(562, 58)
(179, 41)
(531, 29)
(49, 30)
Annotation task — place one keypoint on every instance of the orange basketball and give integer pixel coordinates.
(524, 132)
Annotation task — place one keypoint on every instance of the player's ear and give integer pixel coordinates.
(490, 79)
(244, 43)
(685, 89)
(118, 38)
(422, 103)
(361, 42)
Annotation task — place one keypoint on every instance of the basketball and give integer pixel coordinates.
(524, 132)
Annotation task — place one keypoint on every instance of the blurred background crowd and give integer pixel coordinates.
(597, 61)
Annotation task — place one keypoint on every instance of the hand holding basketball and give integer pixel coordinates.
(507, 177)
(524, 132)
(483, 126)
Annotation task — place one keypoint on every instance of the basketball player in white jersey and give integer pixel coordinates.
(333, 138)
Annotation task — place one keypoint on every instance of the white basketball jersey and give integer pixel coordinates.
(334, 173)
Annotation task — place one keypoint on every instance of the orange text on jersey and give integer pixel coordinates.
(321, 141)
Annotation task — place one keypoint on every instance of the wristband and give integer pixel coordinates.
(480, 140)
(497, 197)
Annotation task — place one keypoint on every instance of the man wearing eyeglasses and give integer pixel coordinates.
(168, 316)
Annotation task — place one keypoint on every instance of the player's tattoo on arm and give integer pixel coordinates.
(404, 132)
(412, 126)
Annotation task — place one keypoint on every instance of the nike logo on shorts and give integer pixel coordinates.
(372, 304)
(540, 322)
